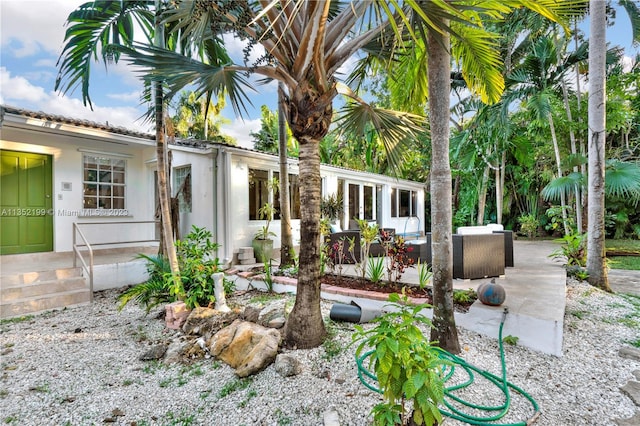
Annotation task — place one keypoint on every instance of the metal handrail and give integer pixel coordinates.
(78, 253)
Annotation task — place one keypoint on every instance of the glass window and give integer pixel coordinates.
(394, 203)
(404, 204)
(294, 197)
(104, 182)
(368, 202)
(182, 187)
(258, 191)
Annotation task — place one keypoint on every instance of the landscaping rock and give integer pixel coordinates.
(176, 314)
(156, 352)
(331, 417)
(207, 322)
(272, 311)
(288, 365)
(175, 351)
(629, 353)
(245, 346)
(251, 313)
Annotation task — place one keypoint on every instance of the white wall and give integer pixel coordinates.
(203, 189)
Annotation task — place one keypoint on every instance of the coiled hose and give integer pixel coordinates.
(494, 412)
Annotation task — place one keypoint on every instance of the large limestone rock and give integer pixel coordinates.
(245, 346)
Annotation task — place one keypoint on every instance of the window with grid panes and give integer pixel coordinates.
(104, 182)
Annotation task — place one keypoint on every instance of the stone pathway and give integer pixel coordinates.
(632, 388)
(628, 282)
(622, 281)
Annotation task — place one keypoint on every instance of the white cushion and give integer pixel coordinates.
(495, 226)
(335, 227)
(474, 230)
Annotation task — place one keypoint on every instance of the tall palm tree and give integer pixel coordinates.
(596, 145)
(306, 45)
(286, 236)
(536, 81)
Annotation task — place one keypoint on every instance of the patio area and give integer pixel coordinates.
(535, 297)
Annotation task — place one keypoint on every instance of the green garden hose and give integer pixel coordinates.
(494, 412)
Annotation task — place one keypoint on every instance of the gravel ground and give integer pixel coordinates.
(80, 366)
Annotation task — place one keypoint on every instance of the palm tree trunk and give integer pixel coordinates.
(556, 150)
(572, 138)
(438, 68)
(596, 255)
(309, 117)
(161, 158)
(286, 236)
(498, 196)
(482, 196)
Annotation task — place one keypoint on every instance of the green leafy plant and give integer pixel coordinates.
(375, 269)
(510, 340)
(234, 385)
(577, 272)
(573, 250)
(464, 296)
(155, 290)
(265, 212)
(267, 277)
(424, 274)
(554, 214)
(407, 366)
(528, 225)
(368, 234)
(331, 207)
(197, 261)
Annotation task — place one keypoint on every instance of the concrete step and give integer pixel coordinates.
(28, 278)
(12, 293)
(36, 304)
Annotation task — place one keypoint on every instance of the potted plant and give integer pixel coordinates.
(262, 244)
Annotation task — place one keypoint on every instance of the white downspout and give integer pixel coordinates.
(223, 208)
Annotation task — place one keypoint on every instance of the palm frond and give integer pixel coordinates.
(177, 71)
(622, 179)
(394, 128)
(92, 27)
(566, 185)
(633, 10)
(482, 67)
(148, 294)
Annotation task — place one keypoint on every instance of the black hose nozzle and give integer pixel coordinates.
(504, 314)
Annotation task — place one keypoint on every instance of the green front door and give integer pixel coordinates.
(26, 219)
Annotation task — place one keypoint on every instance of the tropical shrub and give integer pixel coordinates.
(573, 250)
(407, 366)
(197, 261)
(155, 290)
(194, 285)
(528, 225)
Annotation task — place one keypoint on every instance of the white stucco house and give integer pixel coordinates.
(68, 184)
(59, 171)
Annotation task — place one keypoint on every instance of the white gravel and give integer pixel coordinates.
(80, 366)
